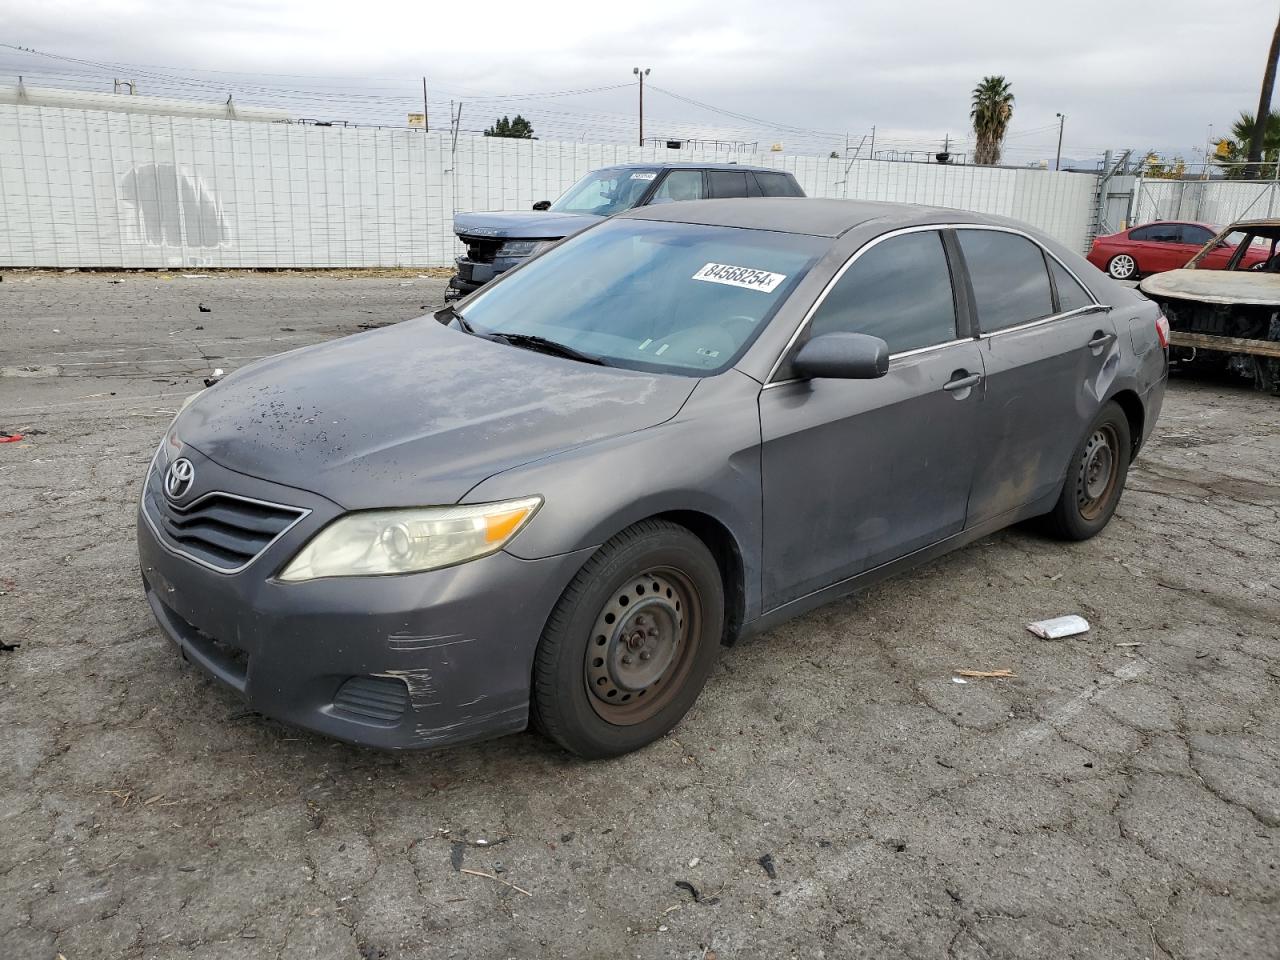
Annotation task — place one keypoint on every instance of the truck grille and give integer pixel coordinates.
(219, 530)
(481, 249)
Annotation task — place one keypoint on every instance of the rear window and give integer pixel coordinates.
(1010, 282)
(728, 183)
(778, 185)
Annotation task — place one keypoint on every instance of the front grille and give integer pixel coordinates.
(373, 698)
(220, 530)
(481, 249)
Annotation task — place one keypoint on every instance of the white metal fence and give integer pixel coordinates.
(82, 188)
(1207, 201)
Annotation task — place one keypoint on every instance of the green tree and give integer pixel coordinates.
(991, 112)
(518, 128)
(1233, 150)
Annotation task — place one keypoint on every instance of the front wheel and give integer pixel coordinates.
(1122, 267)
(1095, 478)
(629, 646)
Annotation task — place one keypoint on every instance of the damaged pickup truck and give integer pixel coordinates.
(496, 242)
(1227, 319)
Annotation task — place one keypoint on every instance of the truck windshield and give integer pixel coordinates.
(603, 193)
(649, 295)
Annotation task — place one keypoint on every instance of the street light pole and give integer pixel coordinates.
(1062, 120)
(641, 74)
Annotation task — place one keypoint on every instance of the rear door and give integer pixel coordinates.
(859, 472)
(1049, 350)
(1191, 237)
(1157, 247)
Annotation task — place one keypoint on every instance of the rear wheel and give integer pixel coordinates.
(1095, 478)
(1122, 267)
(629, 646)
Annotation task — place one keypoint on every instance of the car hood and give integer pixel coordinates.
(1243, 287)
(519, 225)
(414, 414)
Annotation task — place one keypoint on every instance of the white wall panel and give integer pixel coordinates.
(83, 188)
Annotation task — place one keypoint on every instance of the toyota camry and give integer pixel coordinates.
(558, 500)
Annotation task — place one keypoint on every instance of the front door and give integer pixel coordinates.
(1049, 352)
(859, 472)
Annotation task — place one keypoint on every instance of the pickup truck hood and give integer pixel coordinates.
(520, 225)
(1241, 287)
(414, 414)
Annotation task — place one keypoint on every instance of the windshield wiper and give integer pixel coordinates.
(531, 341)
(449, 314)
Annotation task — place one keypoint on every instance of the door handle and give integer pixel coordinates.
(1100, 340)
(962, 382)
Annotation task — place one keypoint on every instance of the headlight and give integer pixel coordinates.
(377, 542)
(524, 248)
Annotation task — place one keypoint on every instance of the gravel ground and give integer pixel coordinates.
(1119, 799)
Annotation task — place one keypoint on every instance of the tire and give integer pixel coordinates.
(1122, 267)
(1095, 478)
(630, 644)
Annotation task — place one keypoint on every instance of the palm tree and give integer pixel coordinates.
(991, 113)
(1240, 141)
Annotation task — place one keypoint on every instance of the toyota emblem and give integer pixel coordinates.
(178, 480)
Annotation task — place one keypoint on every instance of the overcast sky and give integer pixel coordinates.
(1123, 77)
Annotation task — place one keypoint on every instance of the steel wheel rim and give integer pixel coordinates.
(642, 646)
(1122, 266)
(1099, 472)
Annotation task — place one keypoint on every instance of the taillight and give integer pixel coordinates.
(1162, 330)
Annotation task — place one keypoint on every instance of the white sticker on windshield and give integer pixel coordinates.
(740, 277)
(644, 176)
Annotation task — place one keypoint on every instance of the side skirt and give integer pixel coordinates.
(869, 578)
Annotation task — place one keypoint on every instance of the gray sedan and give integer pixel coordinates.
(672, 431)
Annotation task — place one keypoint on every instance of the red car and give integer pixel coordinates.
(1166, 245)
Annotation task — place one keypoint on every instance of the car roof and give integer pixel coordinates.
(804, 215)
(689, 164)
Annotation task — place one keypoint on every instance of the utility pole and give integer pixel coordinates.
(642, 74)
(1264, 108)
(1208, 142)
(426, 117)
(872, 154)
(1062, 121)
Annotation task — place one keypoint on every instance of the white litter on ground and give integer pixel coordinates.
(1059, 627)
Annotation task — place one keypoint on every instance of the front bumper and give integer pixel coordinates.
(472, 274)
(419, 660)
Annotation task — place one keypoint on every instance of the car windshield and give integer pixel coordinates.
(603, 193)
(650, 295)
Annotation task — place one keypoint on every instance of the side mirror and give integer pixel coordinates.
(542, 205)
(842, 356)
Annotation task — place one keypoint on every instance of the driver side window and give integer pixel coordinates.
(899, 291)
(679, 185)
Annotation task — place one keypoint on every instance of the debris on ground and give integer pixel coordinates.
(195, 276)
(8, 647)
(10, 437)
(988, 674)
(204, 309)
(1059, 627)
(218, 374)
(456, 851)
(490, 876)
(710, 901)
(769, 866)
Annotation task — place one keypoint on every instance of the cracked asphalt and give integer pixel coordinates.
(1119, 798)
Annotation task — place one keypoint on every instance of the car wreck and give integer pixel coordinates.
(1229, 318)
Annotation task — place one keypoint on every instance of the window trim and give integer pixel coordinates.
(965, 304)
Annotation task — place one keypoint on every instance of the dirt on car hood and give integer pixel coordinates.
(414, 414)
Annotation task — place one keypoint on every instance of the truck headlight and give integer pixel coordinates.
(378, 542)
(523, 248)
